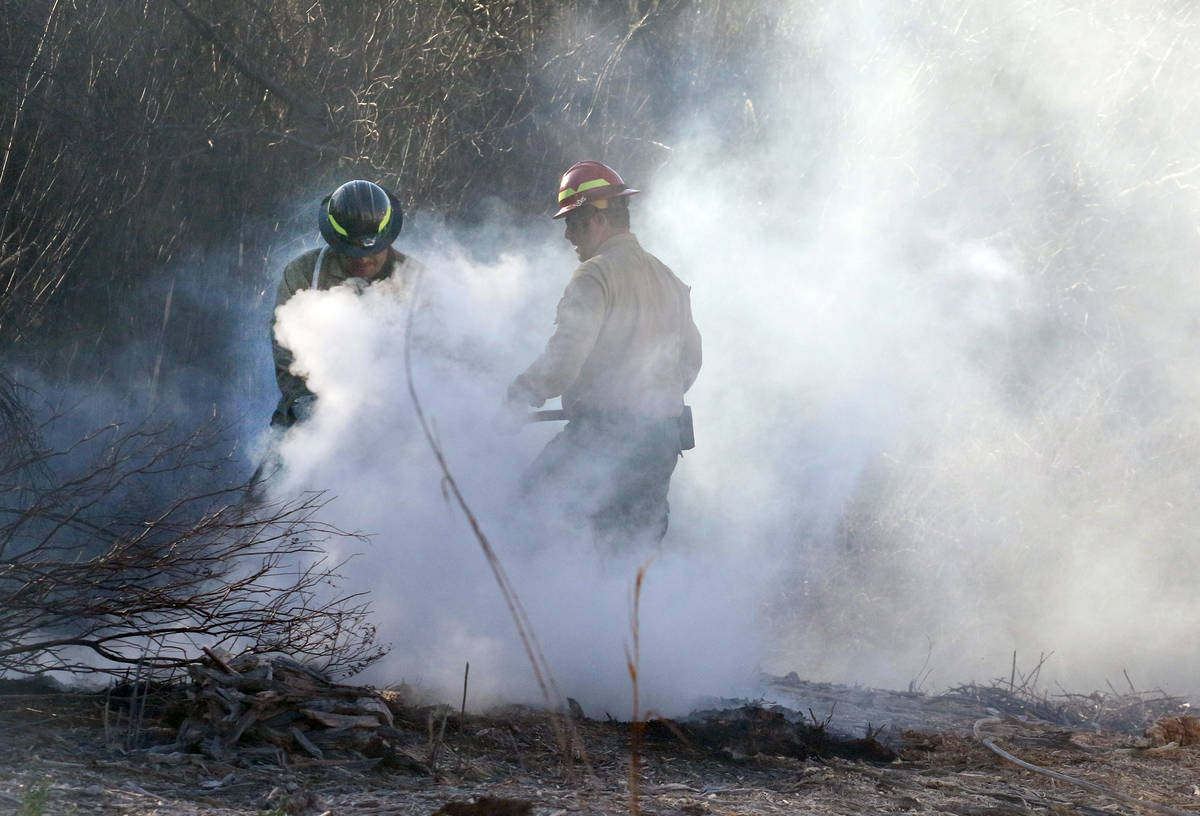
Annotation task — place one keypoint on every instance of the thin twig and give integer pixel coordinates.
(632, 663)
(462, 713)
(559, 718)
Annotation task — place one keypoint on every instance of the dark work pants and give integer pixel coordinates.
(610, 472)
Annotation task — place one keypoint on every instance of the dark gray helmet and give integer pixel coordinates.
(360, 218)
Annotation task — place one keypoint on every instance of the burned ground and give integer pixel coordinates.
(82, 753)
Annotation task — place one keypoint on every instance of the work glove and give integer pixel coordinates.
(303, 406)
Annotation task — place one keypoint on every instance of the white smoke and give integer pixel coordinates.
(954, 347)
(947, 406)
(437, 601)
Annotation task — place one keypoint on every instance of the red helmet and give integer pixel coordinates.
(588, 182)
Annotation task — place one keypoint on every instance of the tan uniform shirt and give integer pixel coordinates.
(624, 342)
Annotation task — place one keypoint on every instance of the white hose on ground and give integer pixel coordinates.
(1090, 786)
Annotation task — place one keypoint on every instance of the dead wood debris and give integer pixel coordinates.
(1128, 713)
(1103, 790)
(262, 709)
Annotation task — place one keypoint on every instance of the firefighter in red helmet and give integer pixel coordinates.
(623, 353)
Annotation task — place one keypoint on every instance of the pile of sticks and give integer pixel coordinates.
(255, 704)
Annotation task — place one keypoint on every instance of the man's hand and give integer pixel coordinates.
(513, 415)
(519, 394)
(303, 406)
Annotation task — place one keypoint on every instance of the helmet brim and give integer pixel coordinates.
(575, 202)
(342, 246)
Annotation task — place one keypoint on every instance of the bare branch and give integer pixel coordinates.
(116, 556)
(305, 107)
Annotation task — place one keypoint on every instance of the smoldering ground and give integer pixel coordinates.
(947, 411)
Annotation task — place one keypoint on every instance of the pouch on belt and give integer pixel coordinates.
(687, 434)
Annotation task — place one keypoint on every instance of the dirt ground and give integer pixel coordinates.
(821, 749)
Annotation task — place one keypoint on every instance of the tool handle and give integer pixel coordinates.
(551, 415)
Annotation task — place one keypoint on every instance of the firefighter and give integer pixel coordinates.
(623, 352)
(359, 221)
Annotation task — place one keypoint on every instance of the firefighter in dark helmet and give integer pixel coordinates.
(359, 221)
(623, 352)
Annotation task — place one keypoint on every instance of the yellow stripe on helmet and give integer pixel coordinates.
(336, 226)
(587, 185)
(387, 216)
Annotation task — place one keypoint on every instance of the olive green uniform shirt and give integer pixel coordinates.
(400, 271)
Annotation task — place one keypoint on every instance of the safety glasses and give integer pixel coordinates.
(576, 219)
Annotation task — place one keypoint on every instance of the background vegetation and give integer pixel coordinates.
(972, 399)
(151, 156)
(138, 137)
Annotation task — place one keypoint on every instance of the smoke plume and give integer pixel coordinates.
(947, 411)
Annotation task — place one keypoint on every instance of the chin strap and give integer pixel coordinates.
(317, 266)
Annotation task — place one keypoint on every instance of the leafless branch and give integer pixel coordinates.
(120, 552)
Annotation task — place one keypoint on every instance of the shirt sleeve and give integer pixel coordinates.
(692, 353)
(577, 325)
(291, 386)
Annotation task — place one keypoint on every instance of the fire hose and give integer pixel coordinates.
(988, 743)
